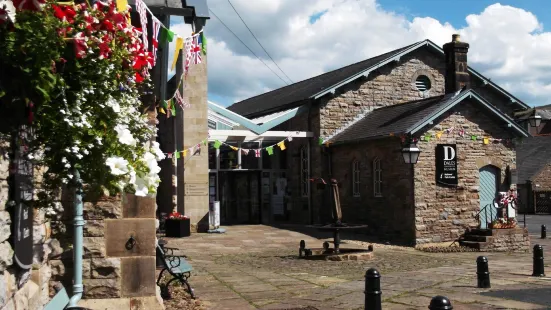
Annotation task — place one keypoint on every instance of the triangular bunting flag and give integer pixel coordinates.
(179, 45)
(205, 142)
(486, 140)
(177, 155)
(473, 137)
(257, 153)
(162, 110)
(290, 139)
(203, 43)
(427, 138)
(166, 35)
(169, 155)
(141, 8)
(270, 150)
(122, 5)
(245, 151)
(217, 144)
(233, 148)
(281, 145)
(172, 107)
(155, 43)
(320, 141)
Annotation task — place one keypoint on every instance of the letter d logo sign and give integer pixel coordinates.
(449, 153)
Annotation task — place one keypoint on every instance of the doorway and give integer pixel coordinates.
(239, 197)
(489, 184)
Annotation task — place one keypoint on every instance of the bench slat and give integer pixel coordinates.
(178, 265)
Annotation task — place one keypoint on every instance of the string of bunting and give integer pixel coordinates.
(462, 134)
(217, 144)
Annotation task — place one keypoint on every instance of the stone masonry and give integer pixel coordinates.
(443, 213)
(22, 289)
(196, 166)
(542, 181)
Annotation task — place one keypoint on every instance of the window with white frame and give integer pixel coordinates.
(356, 178)
(377, 178)
(304, 172)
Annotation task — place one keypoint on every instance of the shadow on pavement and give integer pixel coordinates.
(540, 296)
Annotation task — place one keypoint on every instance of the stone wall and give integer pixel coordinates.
(443, 213)
(508, 240)
(390, 217)
(21, 289)
(542, 180)
(392, 84)
(195, 178)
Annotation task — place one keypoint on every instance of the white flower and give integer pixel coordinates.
(118, 165)
(124, 135)
(70, 176)
(99, 141)
(64, 160)
(79, 156)
(157, 150)
(85, 151)
(141, 187)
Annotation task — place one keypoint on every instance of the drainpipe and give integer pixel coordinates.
(78, 222)
(308, 141)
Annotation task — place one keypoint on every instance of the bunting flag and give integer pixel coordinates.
(217, 144)
(184, 153)
(270, 150)
(177, 155)
(245, 151)
(320, 141)
(155, 38)
(189, 54)
(197, 48)
(290, 138)
(234, 148)
(179, 99)
(256, 153)
(169, 155)
(166, 35)
(204, 43)
(141, 8)
(438, 135)
(473, 137)
(281, 145)
(462, 133)
(122, 5)
(179, 45)
(486, 140)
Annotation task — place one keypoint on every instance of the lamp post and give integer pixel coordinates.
(535, 120)
(410, 152)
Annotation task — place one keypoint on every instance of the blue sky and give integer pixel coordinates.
(509, 42)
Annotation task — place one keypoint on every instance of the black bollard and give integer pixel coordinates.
(543, 232)
(373, 290)
(483, 272)
(301, 248)
(440, 303)
(538, 269)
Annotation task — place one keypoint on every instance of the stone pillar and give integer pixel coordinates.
(195, 130)
(115, 274)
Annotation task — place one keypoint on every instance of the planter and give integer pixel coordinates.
(177, 228)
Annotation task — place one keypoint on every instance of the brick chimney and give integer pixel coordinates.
(457, 75)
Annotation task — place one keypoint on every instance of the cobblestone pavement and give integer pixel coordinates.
(257, 267)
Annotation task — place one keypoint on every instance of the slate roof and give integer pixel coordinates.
(394, 119)
(297, 92)
(532, 156)
(411, 117)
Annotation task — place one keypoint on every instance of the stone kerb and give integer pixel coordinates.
(113, 268)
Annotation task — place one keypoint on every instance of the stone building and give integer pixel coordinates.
(362, 115)
(534, 177)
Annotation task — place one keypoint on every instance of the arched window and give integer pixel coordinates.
(304, 172)
(377, 178)
(356, 178)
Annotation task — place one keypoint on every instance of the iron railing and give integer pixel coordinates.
(490, 213)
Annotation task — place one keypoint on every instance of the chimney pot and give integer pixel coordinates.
(457, 72)
(456, 37)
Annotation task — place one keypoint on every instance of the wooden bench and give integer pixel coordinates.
(177, 266)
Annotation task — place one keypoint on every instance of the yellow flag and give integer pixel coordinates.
(121, 5)
(185, 153)
(179, 45)
(438, 135)
(486, 140)
(234, 148)
(162, 110)
(281, 145)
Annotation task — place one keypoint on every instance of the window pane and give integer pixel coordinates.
(212, 156)
(228, 156)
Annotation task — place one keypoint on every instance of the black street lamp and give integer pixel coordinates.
(535, 120)
(411, 152)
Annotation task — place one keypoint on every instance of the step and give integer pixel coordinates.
(474, 244)
(479, 232)
(477, 238)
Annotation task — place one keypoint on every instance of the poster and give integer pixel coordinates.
(446, 164)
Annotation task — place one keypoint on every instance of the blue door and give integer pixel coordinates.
(489, 177)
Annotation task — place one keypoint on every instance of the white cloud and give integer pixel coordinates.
(508, 44)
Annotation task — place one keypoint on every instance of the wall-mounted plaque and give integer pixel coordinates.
(196, 189)
(446, 164)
